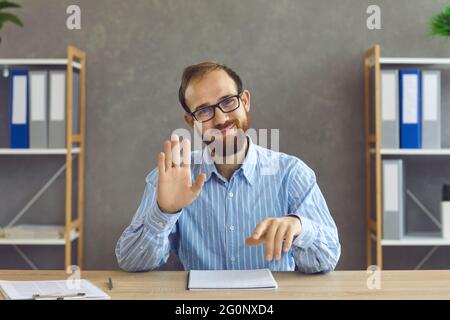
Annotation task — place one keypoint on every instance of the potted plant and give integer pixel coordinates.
(440, 23)
(8, 16)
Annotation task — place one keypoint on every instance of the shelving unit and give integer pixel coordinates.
(372, 63)
(74, 228)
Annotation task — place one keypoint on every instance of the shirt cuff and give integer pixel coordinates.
(160, 220)
(307, 234)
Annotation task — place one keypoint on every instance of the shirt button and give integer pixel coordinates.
(232, 259)
(161, 224)
(231, 228)
(230, 194)
(141, 247)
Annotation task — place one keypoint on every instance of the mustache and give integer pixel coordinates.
(227, 124)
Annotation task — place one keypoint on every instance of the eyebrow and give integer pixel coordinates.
(205, 104)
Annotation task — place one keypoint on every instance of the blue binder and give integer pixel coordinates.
(19, 110)
(410, 108)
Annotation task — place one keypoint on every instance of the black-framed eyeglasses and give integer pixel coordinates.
(226, 105)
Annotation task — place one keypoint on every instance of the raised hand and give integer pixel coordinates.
(175, 188)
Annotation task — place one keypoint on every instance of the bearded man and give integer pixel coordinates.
(220, 208)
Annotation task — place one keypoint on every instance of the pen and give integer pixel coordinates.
(80, 295)
(110, 284)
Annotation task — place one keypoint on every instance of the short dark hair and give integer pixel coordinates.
(199, 70)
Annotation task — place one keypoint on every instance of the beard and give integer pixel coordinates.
(229, 143)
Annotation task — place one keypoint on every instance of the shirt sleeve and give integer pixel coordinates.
(317, 248)
(145, 243)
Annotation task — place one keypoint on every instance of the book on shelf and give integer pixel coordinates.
(37, 108)
(389, 109)
(393, 199)
(411, 109)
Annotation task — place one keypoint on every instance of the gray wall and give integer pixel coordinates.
(302, 61)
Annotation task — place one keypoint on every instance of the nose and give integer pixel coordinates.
(220, 117)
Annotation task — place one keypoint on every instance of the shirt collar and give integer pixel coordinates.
(248, 166)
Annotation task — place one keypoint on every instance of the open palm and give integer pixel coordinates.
(175, 188)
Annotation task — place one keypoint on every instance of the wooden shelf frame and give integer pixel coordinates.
(373, 143)
(74, 56)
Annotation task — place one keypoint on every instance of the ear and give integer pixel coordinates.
(246, 99)
(189, 119)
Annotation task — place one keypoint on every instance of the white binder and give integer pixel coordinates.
(431, 109)
(38, 109)
(390, 132)
(393, 199)
(57, 114)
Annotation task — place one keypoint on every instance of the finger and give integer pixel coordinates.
(198, 184)
(260, 229)
(175, 150)
(279, 241)
(253, 242)
(168, 154)
(270, 239)
(288, 240)
(161, 165)
(186, 146)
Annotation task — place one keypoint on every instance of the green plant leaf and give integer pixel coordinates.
(4, 17)
(440, 23)
(8, 4)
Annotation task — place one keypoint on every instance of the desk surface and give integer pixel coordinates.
(171, 285)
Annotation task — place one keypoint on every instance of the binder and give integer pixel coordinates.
(57, 109)
(431, 109)
(410, 109)
(393, 199)
(5, 112)
(19, 122)
(390, 134)
(38, 109)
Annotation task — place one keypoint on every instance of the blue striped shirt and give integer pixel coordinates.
(210, 233)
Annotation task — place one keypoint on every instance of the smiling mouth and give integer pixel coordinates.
(228, 129)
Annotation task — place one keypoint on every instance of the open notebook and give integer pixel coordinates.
(25, 290)
(257, 279)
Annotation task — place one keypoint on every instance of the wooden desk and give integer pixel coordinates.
(171, 285)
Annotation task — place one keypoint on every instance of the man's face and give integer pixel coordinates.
(209, 90)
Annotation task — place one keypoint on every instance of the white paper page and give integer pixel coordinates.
(24, 290)
(231, 279)
(19, 110)
(410, 98)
